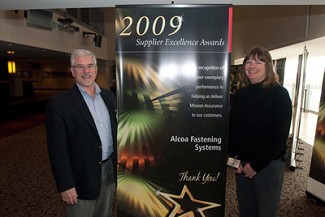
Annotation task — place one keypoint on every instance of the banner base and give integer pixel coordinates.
(316, 189)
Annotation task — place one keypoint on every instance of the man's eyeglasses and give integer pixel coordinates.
(81, 67)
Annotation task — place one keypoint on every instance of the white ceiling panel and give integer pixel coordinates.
(51, 4)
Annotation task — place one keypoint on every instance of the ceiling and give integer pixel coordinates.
(43, 4)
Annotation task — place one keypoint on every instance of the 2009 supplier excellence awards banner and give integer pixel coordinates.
(173, 82)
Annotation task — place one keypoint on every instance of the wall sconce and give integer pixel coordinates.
(10, 52)
(11, 67)
(97, 39)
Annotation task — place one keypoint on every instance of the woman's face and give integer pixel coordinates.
(255, 70)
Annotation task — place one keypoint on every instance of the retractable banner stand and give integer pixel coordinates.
(173, 92)
(316, 180)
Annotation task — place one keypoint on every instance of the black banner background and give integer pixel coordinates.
(173, 92)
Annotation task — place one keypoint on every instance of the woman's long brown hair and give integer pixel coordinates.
(260, 54)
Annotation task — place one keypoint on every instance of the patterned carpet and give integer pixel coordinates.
(26, 183)
(27, 188)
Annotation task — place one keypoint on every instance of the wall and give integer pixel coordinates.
(317, 21)
(270, 26)
(275, 26)
(13, 28)
(108, 77)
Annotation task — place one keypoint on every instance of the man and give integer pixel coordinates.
(81, 134)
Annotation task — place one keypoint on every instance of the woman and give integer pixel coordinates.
(260, 119)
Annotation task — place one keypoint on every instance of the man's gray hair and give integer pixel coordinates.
(81, 52)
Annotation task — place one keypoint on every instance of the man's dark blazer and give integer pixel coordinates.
(74, 145)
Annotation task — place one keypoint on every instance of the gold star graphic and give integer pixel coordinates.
(185, 212)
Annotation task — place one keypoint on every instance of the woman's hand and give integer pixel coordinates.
(248, 171)
(239, 170)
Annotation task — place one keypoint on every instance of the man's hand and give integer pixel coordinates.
(69, 196)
